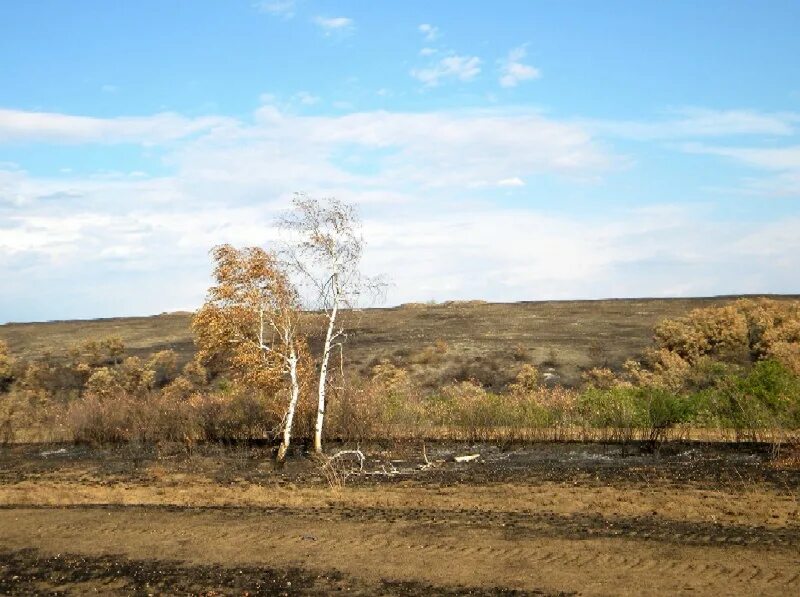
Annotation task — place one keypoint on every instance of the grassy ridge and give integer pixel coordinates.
(435, 343)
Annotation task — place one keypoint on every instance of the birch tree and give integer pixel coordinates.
(326, 250)
(251, 321)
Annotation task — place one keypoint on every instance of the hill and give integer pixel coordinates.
(438, 343)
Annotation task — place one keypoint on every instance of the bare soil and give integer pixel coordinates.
(569, 518)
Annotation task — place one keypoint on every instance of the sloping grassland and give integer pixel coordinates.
(437, 343)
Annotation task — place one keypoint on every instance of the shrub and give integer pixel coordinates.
(6, 367)
(663, 410)
(101, 419)
(600, 377)
(103, 383)
(767, 398)
(134, 376)
(526, 381)
(164, 365)
(740, 333)
(237, 415)
(13, 416)
(179, 389)
(616, 412)
(476, 414)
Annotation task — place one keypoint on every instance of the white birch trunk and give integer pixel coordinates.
(287, 429)
(323, 373)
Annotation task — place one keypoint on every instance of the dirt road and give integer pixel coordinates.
(546, 520)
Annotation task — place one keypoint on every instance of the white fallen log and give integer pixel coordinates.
(466, 458)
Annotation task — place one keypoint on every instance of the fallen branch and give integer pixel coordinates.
(357, 453)
(466, 458)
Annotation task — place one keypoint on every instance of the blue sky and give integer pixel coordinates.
(504, 151)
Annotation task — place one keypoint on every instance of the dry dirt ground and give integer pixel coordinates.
(437, 344)
(569, 518)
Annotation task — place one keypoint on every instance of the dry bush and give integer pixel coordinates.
(387, 405)
(487, 371)
(63, 379)
(561, 406)
(97, 419)
(745, 331)
(468, 412)
(14, 415)
(786, 353)
(98, 353)
(118, 417)
(6, 367)
(60, 381)
(600, 377)
(164, 365)
(357, 413)
(430, 355)
(749, 325)
(134, 376)
(526, 381)
(240, 415)
(180, 388)
(463, 407)
(662, 368)
(520, 352)
(29, 416)
(103, 383)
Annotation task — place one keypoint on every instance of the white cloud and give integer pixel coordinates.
(784, 162)
(461, 68)
(768, 158)
(429, 31)
(513, 71)
(108, 88)
(279, 8)
(663, 252)
(426, 182)
(656, 252)
(515, 181)
(228, 182)
(306, 98)
(18, 125)
(427, 51)
(700, 122)
(338, 25)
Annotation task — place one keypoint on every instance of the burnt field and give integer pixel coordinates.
(437, 344)
(567, 518)
(198, 517)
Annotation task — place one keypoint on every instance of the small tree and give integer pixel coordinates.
(251, 320)
(326, 251)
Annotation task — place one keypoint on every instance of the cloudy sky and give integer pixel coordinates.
(511, 150)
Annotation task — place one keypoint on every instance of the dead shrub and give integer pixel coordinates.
(6, 367)
(239, 415)
(180, 389)
(526, 381)
(164, 365)
(14, 415)
(429, 355)
(600, 377)
(388, 405)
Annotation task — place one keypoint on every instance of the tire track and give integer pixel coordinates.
(514, 525)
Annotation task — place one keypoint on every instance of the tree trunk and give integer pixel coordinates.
(287, 429)
(323, 376)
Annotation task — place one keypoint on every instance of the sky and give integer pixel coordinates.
(505, 151)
